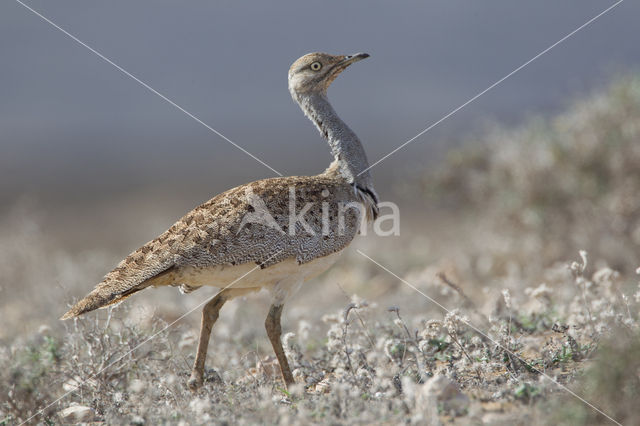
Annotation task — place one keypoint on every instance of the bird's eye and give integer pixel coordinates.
(316, 66)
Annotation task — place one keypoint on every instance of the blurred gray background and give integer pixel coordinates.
(86, 144)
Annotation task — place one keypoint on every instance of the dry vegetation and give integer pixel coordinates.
(521, 205)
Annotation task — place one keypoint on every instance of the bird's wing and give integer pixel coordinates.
(250, 223)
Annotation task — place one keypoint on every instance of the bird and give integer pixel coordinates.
(273, 234)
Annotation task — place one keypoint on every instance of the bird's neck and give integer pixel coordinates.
(345, 146)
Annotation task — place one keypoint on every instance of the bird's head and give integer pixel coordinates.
(314, 72)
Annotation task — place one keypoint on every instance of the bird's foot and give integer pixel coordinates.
(197, 379)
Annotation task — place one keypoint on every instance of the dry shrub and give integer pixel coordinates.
(612, 384)
(556, 186)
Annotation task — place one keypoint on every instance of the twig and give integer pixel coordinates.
(578, 274)
(464, 351)
(364, 326)
(418, 354)
(344, 335)
(467, 303)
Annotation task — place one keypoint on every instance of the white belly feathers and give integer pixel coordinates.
(282, 279)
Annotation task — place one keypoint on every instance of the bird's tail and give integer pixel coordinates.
(145, 267)
(98, 298)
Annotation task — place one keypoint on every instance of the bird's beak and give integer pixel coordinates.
(350, 59)
(341, 65)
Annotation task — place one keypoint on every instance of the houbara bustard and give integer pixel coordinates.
(274, 233)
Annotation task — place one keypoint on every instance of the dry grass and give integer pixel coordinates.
(374, 364)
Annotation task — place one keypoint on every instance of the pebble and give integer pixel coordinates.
(136, 386)
(77, 413)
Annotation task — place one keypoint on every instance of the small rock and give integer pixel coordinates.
(77, 414)
(77, 382)
(169, 379)
(44, 330)
(323, 386)
(118, 398)
(137, 420)
(200, 406)
(441, 392)
(136, 386)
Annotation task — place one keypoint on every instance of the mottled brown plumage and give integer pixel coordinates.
(211, 234)
(221, 241)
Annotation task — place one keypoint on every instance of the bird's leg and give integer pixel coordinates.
(274, 331)
(209, 317)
